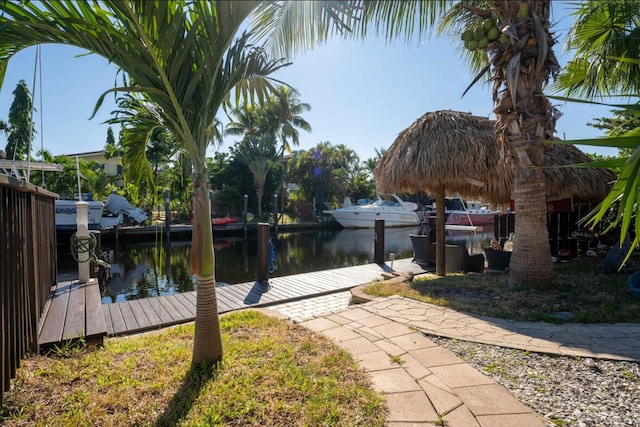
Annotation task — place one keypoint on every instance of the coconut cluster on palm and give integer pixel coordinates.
(483, 34)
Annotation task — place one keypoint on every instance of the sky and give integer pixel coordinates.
(362, 93)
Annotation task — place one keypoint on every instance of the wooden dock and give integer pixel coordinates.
(76, 311)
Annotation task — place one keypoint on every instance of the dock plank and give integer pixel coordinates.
(139, 314)
(130, 321)
(159, 306)
(187, 304)
(152, 313)
(149, 311)
(94, 319)
(117, 320)
(224, 302)
(175, 307)
(107, 320)
(53, 323)
(74, 326)
(236, 296)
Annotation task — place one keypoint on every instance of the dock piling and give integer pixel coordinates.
(378, 251)
(262, 270)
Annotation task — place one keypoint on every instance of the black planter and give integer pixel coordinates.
(497, 260)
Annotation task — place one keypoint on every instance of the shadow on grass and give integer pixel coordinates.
(182, 402)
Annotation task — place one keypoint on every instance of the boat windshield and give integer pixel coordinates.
(385, 201)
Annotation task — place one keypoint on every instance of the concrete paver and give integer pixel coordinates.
(425, 383)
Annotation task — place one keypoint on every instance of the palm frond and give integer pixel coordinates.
(289, 27)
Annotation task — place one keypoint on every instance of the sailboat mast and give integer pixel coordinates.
(33, 105)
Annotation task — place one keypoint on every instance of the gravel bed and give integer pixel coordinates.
(566, 391)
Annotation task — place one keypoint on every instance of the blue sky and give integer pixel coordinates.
(362, 93)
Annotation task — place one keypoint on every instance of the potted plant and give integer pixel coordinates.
(497, 258)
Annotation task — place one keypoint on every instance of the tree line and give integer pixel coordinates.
(261, 162)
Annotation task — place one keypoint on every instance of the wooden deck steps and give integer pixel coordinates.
(74, 311)
(152, 313)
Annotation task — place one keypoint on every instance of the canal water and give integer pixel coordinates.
(147, 269)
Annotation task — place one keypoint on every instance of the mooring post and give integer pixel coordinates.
(82, 239)
(244, 215)
(167, 214)
(97, 250)
(378, 252)
(275, 212)
(262, 270)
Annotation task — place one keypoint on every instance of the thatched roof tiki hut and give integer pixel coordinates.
(454, 153)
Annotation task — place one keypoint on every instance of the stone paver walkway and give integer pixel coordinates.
(305, 309)
(616, 341)
(425, 384)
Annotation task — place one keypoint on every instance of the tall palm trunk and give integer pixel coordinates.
(207, 343)
(524, 119)
(259, 193)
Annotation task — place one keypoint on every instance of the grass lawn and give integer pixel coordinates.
(579, 293)
(274, 373)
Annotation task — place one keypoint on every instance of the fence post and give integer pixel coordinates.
(378, 253)
(262, 270)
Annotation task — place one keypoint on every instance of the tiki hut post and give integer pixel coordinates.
(440, 232)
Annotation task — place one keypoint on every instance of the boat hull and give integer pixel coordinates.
(359, 219)
(477, 219)
(66, 214)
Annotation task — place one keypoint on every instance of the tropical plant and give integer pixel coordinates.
(278, 117)
(111, 147)
(249, 121)
(20, 128)
(93, 179)
(187, 57)
(602, 32)
(520, 64)
(326, 173)
(371, 163)
(619, 208)
(623, 121)
(283, 112)
(606, 44)
(258, 153)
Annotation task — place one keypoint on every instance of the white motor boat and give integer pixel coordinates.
(66, 214)
(394, 211)
(101, 216)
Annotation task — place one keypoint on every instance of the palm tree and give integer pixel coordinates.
(283, 112)
(187, 57)
(248, 121)
(371, 163)
(519, 70)
(258, 152)
(601, 33)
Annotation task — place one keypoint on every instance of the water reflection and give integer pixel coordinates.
(147, 270)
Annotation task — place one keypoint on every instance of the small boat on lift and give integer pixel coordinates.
(462, 215)
(102, 216)
(471, 213)
(223, 220)
(394, 211)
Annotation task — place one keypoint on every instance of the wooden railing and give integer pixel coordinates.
(564, 230)
(27, 269)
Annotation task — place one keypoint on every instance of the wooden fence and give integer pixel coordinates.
(27, 269)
